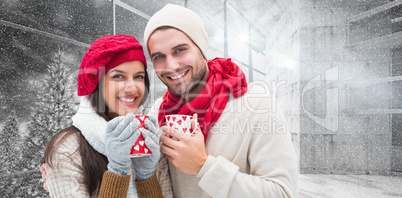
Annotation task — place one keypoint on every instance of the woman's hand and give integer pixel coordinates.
(121, 133)
(43, 171)
(144, 167)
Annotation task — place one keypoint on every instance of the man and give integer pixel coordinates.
(242, 148)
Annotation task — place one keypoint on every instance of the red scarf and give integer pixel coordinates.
(224, 77)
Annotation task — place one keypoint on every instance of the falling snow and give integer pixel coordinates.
(340, 61)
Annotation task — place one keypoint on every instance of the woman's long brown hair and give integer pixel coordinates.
(94, 164)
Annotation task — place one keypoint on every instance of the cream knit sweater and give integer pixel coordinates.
(65, 179)
(250, 153)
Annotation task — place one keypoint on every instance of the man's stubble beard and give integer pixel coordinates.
(196, 77)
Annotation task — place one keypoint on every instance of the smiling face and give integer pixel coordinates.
(178, 62)
(124, 88)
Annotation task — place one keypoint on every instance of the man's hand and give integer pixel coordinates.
(43, 171)
(187, 153)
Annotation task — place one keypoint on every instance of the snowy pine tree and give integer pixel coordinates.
(10, 154)
(9, 144)
(52, 112)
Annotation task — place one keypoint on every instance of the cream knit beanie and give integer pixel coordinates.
(183, 19)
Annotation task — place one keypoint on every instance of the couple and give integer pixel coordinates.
(230, 155)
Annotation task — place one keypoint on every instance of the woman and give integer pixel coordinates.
(96, 148)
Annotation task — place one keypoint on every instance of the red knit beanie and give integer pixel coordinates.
(103, 55)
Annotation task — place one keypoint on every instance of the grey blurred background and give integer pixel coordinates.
(336, 64)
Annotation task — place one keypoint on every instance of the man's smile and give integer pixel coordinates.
(178, 76)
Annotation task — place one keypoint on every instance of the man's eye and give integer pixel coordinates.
(159, 57)
(179, 50)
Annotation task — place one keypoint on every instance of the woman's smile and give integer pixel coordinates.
(127, 100)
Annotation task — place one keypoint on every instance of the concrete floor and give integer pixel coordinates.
(345, 186)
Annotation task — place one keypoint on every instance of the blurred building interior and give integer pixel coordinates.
(336, 64)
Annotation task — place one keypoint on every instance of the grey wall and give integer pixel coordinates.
(341, 97)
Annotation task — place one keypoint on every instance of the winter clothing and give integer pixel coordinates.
(182, 19)
(225, 78)
(104, 54)
(250, 153)
(66, 178)
(69, 181)
(147, 188)
(144, 167)
(90, 132)
(114, 185)
(121, 133)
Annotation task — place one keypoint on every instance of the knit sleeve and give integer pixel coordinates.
(268, 165)
(162, 168)
(114, 185)
(149, 188)
(65, 177)
(163, 175)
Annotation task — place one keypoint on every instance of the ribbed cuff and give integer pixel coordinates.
(114, 185)
(223, 169)
(111, 167)
(149, 188)
(207, 164)
(144, 176)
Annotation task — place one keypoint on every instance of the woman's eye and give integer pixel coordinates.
(140, 77)
(117, 76)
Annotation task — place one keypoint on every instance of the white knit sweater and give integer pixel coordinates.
(250, 153)
(66, 177)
